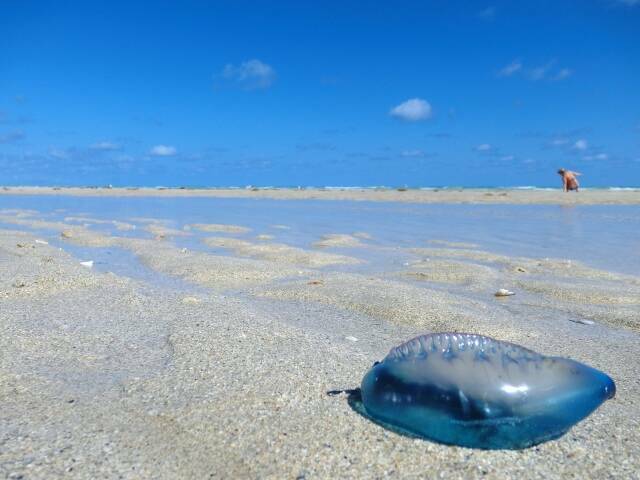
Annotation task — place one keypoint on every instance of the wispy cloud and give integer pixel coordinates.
(548, 71)
(540, 72)
(58, 153)
(574, 142)
(329, 80)
(439, 135)
(488, 13)
(494, 152)
(318, 146)
(412, 110)
(581, 144)
(598, 156)
(12, 137)
(415, 153)
(6, 119)
(163, 151)
(106, 146)
(514, 67)
(563, 73)
(250, 75)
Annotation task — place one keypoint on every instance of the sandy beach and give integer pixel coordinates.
(451, 195)
(319, 240)
(213, 358)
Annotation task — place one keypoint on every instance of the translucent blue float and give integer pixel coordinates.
(477, 392)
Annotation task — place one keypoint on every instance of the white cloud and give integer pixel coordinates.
(483, 147)
(163, 151)
(558, 142)
(106, 146)
(252, 74)
(412, 110)
(507, 158)
(510, 69)
(413, 153)
(580, 144)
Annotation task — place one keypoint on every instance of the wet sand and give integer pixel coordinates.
(107, 376)
(467, 195)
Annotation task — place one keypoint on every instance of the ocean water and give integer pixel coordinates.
(601, 236)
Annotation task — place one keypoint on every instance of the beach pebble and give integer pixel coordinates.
(19, 284)
(42, 242)
(503, 292)
(88, 263)
(351, 339)
(66, 234)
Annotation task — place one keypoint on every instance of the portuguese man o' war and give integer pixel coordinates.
(478, 392)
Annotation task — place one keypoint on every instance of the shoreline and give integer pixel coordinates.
(518, 196)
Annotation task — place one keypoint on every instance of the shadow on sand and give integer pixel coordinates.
(354, 400)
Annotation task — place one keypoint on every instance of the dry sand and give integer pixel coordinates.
(106, 377)
(510, 196)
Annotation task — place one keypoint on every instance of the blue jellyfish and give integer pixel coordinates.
(478, 392)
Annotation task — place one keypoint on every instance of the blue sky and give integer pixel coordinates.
(219, 93)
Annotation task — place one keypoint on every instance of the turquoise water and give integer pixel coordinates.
(603, 236)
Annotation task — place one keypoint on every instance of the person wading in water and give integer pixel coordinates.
(569, 180)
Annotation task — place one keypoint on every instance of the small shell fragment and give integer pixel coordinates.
(191, 300)
(503, 292)
(582, 321)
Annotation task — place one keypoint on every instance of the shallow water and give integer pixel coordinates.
(604, 236)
